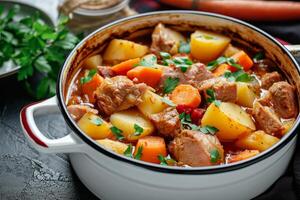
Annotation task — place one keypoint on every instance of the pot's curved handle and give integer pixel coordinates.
(66, 144)
(294, 49)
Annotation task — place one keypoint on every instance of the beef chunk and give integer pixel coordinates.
(163, 39)
(105, 71)
(284, 99)
(266, 119)
(77, 111)
(268, 79)
(194, 148)
(194, 75)
(167, 122)
(118, 93)
(224, 90)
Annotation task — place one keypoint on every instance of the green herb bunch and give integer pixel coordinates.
(37, 48)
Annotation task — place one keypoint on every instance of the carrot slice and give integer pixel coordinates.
(186, 95)
(149, 75)
(242, 59)
(152, 147)
(243, 155)
(221, 70)
(90, 87)
(123, 67)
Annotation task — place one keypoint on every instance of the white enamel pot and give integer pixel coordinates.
(111, 176)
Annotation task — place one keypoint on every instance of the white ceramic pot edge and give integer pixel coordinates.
(67, 144)
(134, 182)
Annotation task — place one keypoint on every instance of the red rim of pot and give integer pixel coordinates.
(161, 168)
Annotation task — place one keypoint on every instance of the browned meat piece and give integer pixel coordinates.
(164, 39)
(263, 66)
(265, 100)
(194, 75)
(225, 91)
(268, 79)
(118, 93)
(197, 73)
(105, 71)
(77, 111)
(194, 148)
(284, 99)
(167, 122)
(266, 119)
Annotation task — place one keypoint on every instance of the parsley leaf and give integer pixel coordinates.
(167, 101)
(259, 56)
(165, 55)
(184, 47)
(96, 120)
(170, 84)
(212, 97)
(214, 64)
(162, 160)
(139, 153)
(209, 129)
(138, 130)
(128, 151)
(231, 62)
(148, 61)
(117, 132)
(214, 156)
(89, 76)
(239, 76)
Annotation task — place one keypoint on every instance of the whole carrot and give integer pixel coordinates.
(244, 9)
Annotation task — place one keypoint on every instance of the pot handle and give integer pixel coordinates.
(66, 144)
(294, 49)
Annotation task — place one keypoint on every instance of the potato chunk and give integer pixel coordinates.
(116, 146)
(92, 62)
(245, 96)
(207, 46)
(257, 140)
(120, 50)
(231, 120)
(151, 104)
(126, 121)
(94, 126)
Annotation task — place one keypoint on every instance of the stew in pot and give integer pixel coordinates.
(182, 99)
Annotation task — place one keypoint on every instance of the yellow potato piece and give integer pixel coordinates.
(231, 120)
(120, 50)
(118, 147)
(125, 120)
(92, 62)
(245, 96)
(287, 125)
(257, 140)
(94, 126)
(151, 103)
(207, 46)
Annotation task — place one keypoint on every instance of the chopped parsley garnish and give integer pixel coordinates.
(148, 61)
(128, 151)
(186, 120)
(214, 156)
(184, 47)
(230, 61)
(165, 55)
(138, 130)
(96, 120)
(139, 153)
(183, 63)
(117, 132)
(238, 76)
(162, 160)
(88, 77)
(259, 56)
(209, 129)
(167, 101)
(212, 97)
(170, 84)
